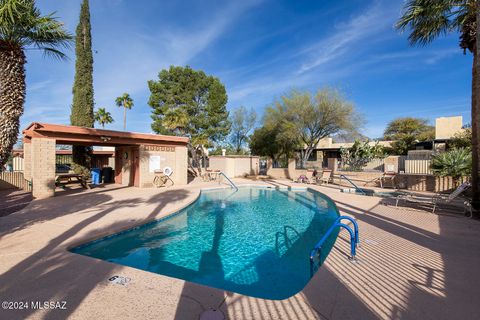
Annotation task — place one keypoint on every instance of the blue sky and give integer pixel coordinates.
(259, 49)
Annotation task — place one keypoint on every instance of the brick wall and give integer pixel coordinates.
(27, 161)
(425, 182)
(43, 167)
(175, 158)
(414, 182)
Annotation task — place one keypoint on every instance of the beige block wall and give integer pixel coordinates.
(332, 164)
(446, 127)
(414, 182)
(285, 173)
(224, 164)
(27, 161)
(324, 143)
(235, 166)
(43, 167)
(181, 164)
(292, 169)
(246, 166)
(177, 160)
(425, 182)
(278, 173)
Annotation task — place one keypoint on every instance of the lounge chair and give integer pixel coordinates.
(308, 177)
(204, 175)
(388, 177)
(326, 176)
(311, 176)
(437, 199)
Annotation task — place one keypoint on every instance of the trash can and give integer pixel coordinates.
(95, 176)
(107, 175)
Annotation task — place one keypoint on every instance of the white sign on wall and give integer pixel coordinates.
(154, 163)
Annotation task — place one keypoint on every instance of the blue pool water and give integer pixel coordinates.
(254, 241)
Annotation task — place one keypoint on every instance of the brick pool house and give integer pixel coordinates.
(137, 155)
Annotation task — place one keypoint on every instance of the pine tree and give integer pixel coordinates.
(82, 106)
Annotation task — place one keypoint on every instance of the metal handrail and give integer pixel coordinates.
(231, 182)
(353, 184)
(354, 240)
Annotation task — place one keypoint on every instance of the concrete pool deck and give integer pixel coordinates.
(412, 264)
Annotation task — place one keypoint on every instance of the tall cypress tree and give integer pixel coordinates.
(82, 106)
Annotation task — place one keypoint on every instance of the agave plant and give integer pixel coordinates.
(22, 27)
(456, 163)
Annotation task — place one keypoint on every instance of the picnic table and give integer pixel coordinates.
(62, 179)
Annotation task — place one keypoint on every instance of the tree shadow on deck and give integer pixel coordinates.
(13, 200)
(53, 274)
(433, 274)
(316, 300)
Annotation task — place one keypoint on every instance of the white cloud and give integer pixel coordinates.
(348, 34)
(125, 58)
(428, 56)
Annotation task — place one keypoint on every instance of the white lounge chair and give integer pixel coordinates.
(437, 199)
(326, 176)
(311, 178)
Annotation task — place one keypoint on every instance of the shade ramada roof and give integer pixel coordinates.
(74, 135)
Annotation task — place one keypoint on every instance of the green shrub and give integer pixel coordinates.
(361, 153)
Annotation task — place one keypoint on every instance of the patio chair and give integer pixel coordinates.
(204, 175)
(388, 176)
(326, 176)
(162, 177)
(311, 176)
(437, 199)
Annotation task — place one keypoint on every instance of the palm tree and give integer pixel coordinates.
(127, 103)
(22, 27)
(427, 20)
(102, 116)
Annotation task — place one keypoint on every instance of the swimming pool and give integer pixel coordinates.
(254, 241)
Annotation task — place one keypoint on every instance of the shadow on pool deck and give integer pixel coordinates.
(51, 267)
(12, 200)
(413, 265)
(443, 293)
(298, 306)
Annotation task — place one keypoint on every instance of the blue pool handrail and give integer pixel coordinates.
(353, 184)
(231, 182)
(354, 240)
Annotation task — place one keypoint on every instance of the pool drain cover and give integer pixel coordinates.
(212, 315)
(119, 280)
